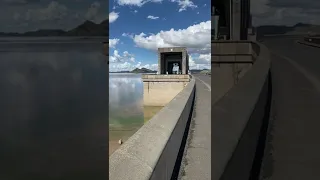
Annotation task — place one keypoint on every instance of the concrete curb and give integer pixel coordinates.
(152, 151)
(309, 44)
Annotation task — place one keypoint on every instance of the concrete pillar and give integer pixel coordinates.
(216, 27)
(159, 62)
(184, 62)
(236, 19)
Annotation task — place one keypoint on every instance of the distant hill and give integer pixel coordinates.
(196, 71)
(142, 70)
(88, 28)
(298, 29)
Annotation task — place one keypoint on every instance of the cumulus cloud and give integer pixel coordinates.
(184, 4)
(128, 35)
(54, 11)
(129, 66)
(93, 11)
(138, 3)
(113, 16)
(113, 42)
(125, 57)
(285, 12)
(197, 38)
(196, 61)
(152, 17)
(202, 61)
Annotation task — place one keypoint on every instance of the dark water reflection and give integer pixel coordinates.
(53, 110)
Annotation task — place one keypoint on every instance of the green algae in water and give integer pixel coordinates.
(150, 111)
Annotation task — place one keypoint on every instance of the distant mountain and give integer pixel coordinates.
(88, 28)
(196, 71)
(142, 70)
(298, 29)
(120, 72)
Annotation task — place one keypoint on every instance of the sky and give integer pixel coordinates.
(29, 15)
(285, 12)
(137, 28)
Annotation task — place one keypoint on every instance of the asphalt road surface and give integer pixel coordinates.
(293, 148)
(196, 163)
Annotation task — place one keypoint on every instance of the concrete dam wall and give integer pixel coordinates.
(151, 153)
(240, 117)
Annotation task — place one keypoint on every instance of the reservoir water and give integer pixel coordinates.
(53, 108)
(55, 90)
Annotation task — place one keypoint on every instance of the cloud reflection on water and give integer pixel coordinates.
(125, 100)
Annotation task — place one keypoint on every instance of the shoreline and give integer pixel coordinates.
(124, 135)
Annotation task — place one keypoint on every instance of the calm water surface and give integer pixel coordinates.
(53, 108)
(125, 105)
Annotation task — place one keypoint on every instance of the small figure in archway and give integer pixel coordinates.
(175, 68)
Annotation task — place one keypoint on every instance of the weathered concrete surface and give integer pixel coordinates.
(196, 163)
(293, 150)
(237, 121)
(152, 151)
(225, 76)
(159, 90)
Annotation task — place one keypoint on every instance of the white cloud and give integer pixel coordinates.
(196, 61)
(54, 11)
(135, 11)
(129, 66)
(113, 16)
(114, 67)
(184, 4)
(153, 67)
(152, 17)
(197, 38)
(128, 35)
(113, 42)
(138, 3)
(202, 61)
(93, 11)
(125, 57)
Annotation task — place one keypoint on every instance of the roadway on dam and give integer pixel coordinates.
(292, 149)
(196, 162)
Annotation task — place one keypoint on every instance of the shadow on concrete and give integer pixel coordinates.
(176, 170)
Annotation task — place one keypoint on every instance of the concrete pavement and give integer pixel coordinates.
(292, 150)
(196, 163)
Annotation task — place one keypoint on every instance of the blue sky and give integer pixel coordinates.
(138, 27)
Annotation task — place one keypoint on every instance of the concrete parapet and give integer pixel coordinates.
(310, 41)
(233, 51)
(239, 121)
(152, 151)
(230, 61)
(314, 40)
(159, 90)
(148, 77)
